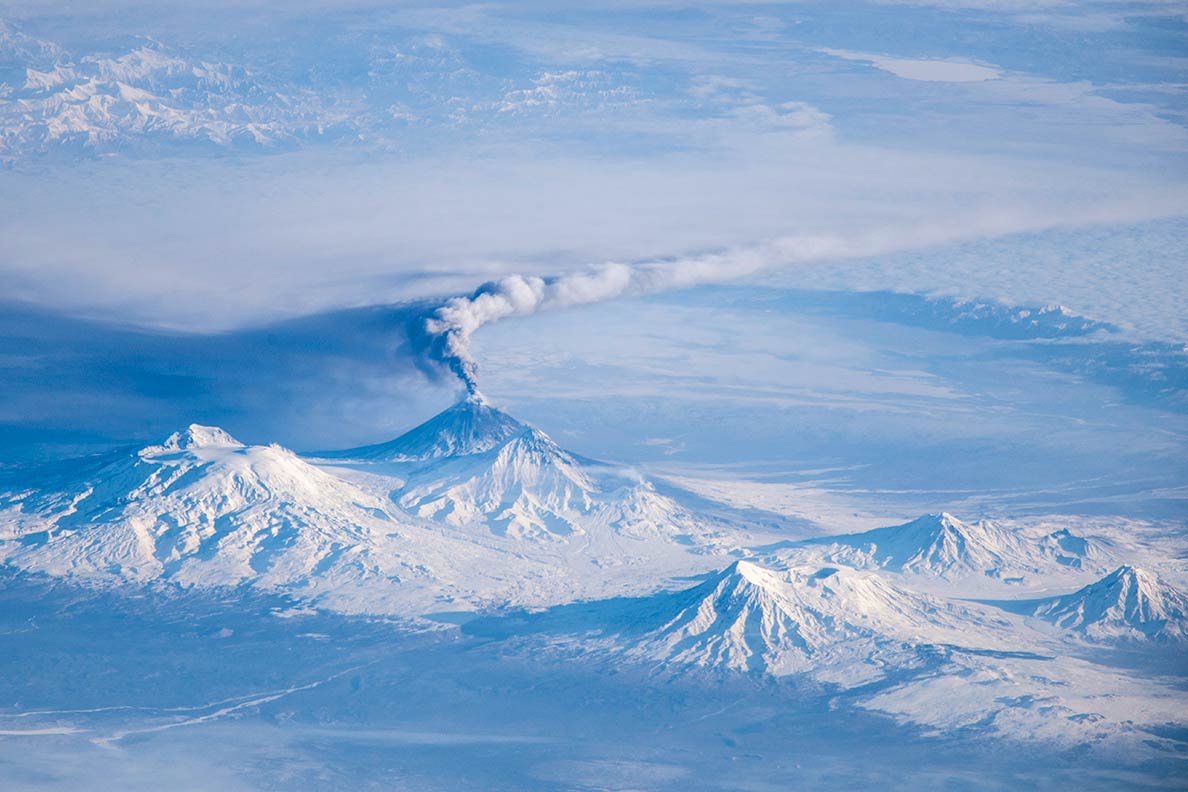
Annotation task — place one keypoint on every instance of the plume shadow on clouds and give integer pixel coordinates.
(333, 378)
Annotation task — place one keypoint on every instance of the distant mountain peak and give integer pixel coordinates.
(943, 546)
(533, 441)
(810, 618)
(198, 436)
(1128, 603)
(941, 522)
(934, 544)
(750, 573)
(469, 426)
(474, 466)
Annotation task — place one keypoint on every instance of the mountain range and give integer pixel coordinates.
(473, 466)
(475, 511)
(485, 510)
(943, 547)
(842, 626)
(148, 96)
(203, 509)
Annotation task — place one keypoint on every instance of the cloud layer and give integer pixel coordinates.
(451, 326)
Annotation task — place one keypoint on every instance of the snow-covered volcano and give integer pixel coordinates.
(838, 625)
(203, 509)
(471, 426)
(474, 465)
(525, 486)
(1127, 604)
(942, 546)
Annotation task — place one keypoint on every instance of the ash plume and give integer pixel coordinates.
(450, 327)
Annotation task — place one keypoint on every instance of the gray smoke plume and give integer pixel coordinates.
(451, 326)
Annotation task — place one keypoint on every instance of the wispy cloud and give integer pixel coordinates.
(923, 69)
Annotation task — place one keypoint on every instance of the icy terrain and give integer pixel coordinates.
(201, 509)
(475, 532)
(597, 397)
(1126, 605)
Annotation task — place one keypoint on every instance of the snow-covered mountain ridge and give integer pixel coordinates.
(941, 664)
(470, 426)
(839, 625)
(942, 547)
(140, 96)
(476, 511)
(1128, 604)
(475, 467)
(202, 509)
(149, 95)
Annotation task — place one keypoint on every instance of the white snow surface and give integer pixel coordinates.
(471, 426)
(149, 94)
(202, 509)
(476, 468)
(475, 511)
(1127, 604)
(1062, 701)
(943, 547)
(843, 626)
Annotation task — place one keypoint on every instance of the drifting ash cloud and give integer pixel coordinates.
(450, 328)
